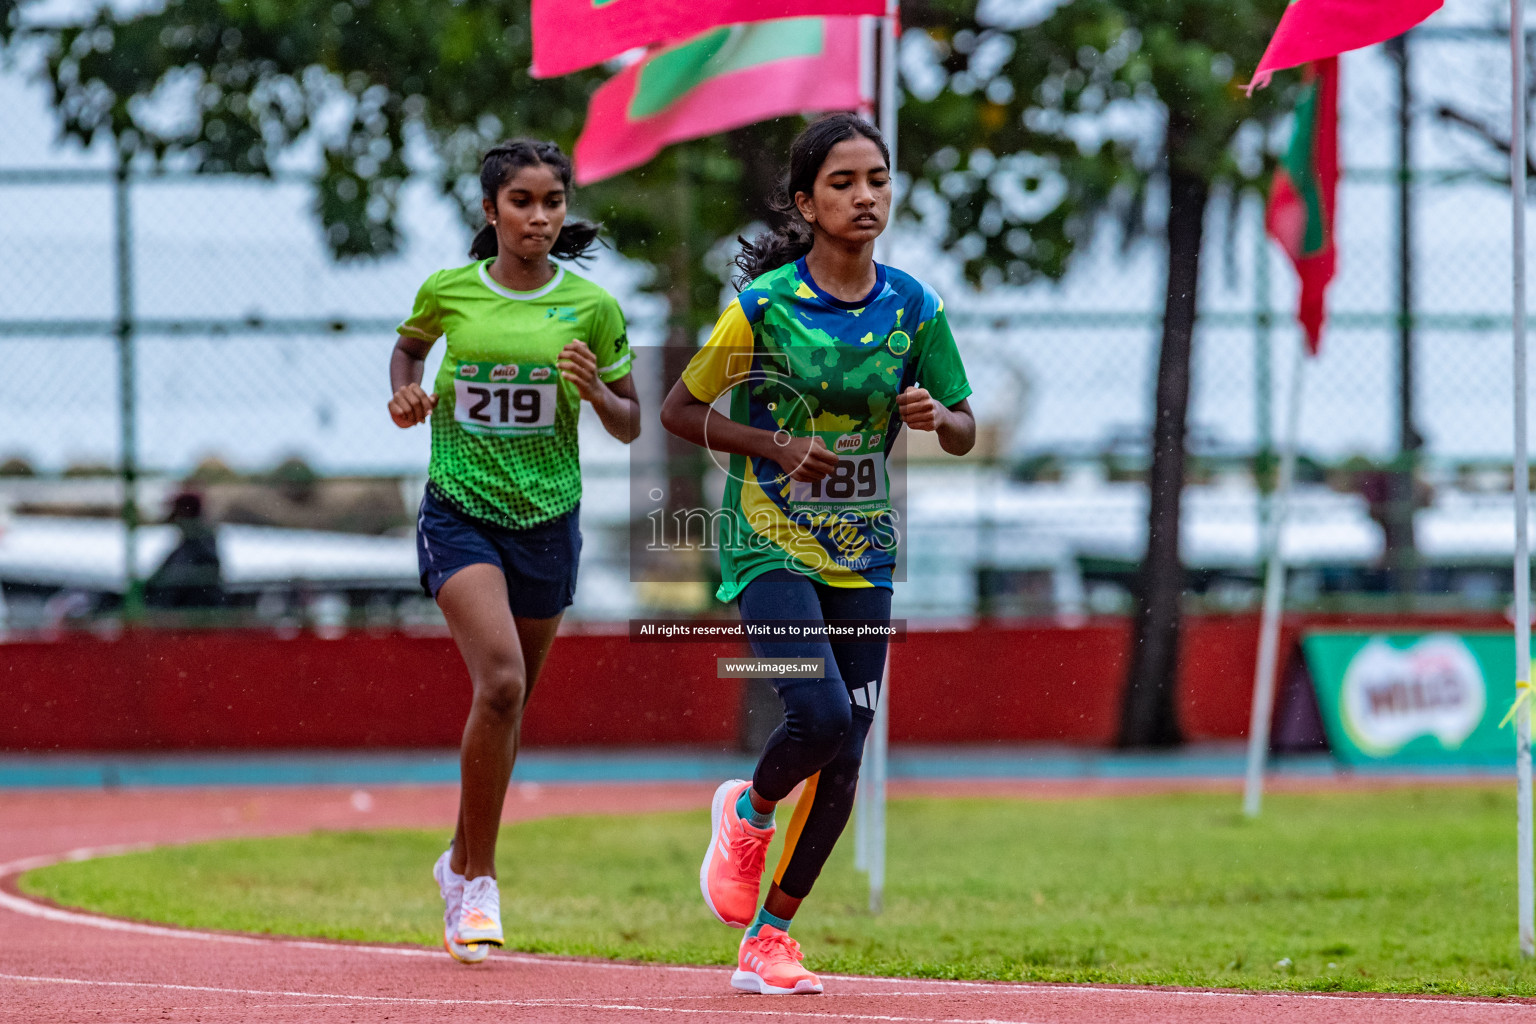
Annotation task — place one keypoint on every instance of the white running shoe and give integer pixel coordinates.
(480, 913)
(769, 964)
(451, 885)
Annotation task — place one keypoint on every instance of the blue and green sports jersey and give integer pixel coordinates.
(797, 359)
(504, 438)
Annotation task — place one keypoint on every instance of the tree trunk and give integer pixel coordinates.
(1148, 717)
(669, 473)
(685, 467)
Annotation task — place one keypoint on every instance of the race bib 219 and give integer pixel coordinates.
(506, 399)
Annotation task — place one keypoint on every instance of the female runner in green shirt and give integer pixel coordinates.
(497, 537)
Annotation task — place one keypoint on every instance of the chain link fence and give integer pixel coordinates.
(256, 371)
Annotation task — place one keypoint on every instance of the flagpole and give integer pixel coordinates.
(888, 90)
(880, 739)
(1522, 487)
(869, 846)
(1274, 596)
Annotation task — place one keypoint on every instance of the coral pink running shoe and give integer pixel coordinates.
(733, 865)
(769, 964)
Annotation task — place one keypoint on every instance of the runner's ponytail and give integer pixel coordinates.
(577, 239)
(484, 245)
(788, 236)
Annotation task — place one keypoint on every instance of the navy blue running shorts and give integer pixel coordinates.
(538, 562)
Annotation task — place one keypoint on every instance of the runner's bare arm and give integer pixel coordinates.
(955, 424)
(803, 458)
(409, 404)
(617, 404)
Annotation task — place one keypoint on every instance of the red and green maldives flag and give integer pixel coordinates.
(1300, 214)
(1301, 199)
(1311, 30)
(569, 35)
(722, 79)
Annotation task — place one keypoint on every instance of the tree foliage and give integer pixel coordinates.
(374, 93)
(1019, 137)
(232, 86)
(1028, 135)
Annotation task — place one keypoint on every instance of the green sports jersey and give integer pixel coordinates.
(504, 445)
(799, 360)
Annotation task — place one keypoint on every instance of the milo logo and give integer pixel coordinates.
(1433, 688)
(899, 342)
(504, 371)
(467, 370)
(847, 443)
(540, 373)
(874, 441)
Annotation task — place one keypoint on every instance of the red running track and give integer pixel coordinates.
(61, 965)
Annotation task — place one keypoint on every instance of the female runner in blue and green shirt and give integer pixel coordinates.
(825, 354)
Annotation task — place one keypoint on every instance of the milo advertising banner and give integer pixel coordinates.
(1414, 697)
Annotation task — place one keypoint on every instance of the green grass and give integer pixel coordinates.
(1389, 891)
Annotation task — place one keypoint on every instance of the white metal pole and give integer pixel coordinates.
(876, 55)
(869, 842)
(1522, 485)
(861, 817)
(869, 48)
(880, 750)
(888, 97)
(1274, 595)
(861, 807)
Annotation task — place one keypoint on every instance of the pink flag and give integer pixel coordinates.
(1313, 29)
(719, 80)
(569, 35)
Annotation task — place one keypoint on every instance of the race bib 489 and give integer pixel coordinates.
(506, 399)
(858, 484)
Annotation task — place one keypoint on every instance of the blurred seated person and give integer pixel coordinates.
(190, 575)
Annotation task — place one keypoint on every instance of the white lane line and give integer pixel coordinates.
(1024, 989)
(80, 853)
(733, 1010)
(25, 906)
(22, 905)
(1508, 1002)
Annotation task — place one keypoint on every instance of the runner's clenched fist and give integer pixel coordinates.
(411, 405)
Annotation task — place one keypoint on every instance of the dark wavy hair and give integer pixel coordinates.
(788, 236)
(577, 238)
